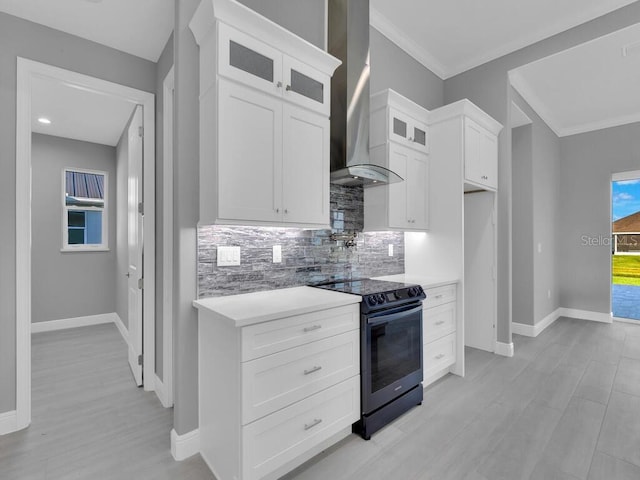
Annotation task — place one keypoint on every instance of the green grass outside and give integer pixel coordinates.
(626, 269)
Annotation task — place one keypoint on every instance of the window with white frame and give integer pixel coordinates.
(84, 219)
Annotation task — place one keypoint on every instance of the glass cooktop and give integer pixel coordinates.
(364, 286)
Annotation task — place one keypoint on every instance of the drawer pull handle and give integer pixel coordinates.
(440, 322)
(439, 296)
(438, 357)
(309, 426)
(312, 328)
(312, 370)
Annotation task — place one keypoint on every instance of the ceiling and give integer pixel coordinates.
(138, 27)
(77, 113)
(589, 87)
(450, 37)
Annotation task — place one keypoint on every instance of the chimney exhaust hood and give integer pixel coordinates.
(348, 40)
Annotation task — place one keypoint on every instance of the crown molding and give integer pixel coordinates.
(524, 89)
(397, 36)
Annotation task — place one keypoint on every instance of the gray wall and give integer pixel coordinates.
(488, 87)
(522, 158)
(588, 160)
(122, 220)
(67, 285)
(165, 62)
(308, 21)
(392, 67)
(29, 40)
(538, 225)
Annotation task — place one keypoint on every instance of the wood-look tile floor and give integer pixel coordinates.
(565, 407)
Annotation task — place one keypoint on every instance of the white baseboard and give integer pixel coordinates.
(538, 328)
(504, 349)
(121, 328)
(161, 392)
(626, 320)
(75, 322)
(586, 315)
(184, 446)
(8, 422)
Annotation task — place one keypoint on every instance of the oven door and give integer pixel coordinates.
(391, 354)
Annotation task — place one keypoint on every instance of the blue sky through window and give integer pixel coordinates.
(626, 198)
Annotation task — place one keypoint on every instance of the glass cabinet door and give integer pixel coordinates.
(419, 136)
(400, 128)
(306, 86)
(247, 60)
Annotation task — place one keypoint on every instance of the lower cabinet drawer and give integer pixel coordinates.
(278, 438)
(275, 381)
(438, 321)
(439, 295)
(439, 354)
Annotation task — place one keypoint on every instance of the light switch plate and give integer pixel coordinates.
(277, 254)
(228, 256)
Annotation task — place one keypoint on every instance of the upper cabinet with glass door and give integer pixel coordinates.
(398, 119)
(246, 59)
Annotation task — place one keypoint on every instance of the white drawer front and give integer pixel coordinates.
(271, 337)
(279, 438)
(273, 382)
(438, 321)
(439, 295)
(439, 354)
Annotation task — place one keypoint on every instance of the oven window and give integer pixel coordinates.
(395, 351)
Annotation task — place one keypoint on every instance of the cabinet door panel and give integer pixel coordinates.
(417, 183)
(480, 155)
(306, 86)
(489, 159)
(305, 167)
(249, 154)
(400, 126)
(247, 60)
(398, 159)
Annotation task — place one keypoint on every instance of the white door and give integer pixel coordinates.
(479, 270)
(134, 242)
(417, 184)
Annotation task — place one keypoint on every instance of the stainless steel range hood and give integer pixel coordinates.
(349, 41)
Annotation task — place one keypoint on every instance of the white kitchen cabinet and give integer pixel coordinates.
(398, 142)
(264, 120)
(276, 386)
(439, 330)
(480, 155)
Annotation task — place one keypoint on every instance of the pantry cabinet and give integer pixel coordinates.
(398, 141)
(264, 120)
(480, 155)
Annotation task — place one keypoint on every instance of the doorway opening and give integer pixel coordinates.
(81, 234)
(625, 246)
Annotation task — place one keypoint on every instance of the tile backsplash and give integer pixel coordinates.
(308, 256)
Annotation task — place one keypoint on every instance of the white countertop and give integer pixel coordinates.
(423, 280)
(250, 308)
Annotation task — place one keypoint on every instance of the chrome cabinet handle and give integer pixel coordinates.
(438, 357)
(440, 322)
(287, 88)
(277, 210)
(309, 426)
(279, 85)
(286, 211)
(439, 296)
(312, 370)
(312, 328)
(128, 274)
(484, 177)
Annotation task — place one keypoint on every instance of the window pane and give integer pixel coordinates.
(250, 61)
(307, 86)
(76, 218)
(94, 227)
(84, 189)
(76, 236)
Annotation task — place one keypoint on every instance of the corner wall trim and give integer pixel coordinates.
(161, 392)
(121, 328)
(538, 328)
(74, 322)
(504, 349)
(8, 422)
(586, 315)
(184, 446)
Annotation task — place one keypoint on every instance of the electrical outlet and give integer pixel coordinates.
(391, 249)
(228, 256)
(277, 254)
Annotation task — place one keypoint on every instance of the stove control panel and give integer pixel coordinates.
(393, 297)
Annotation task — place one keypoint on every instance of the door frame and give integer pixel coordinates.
(26, 70)
(616, 177)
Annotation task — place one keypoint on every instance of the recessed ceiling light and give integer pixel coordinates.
(44, 120)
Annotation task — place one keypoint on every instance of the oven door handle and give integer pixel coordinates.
(383, 317)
